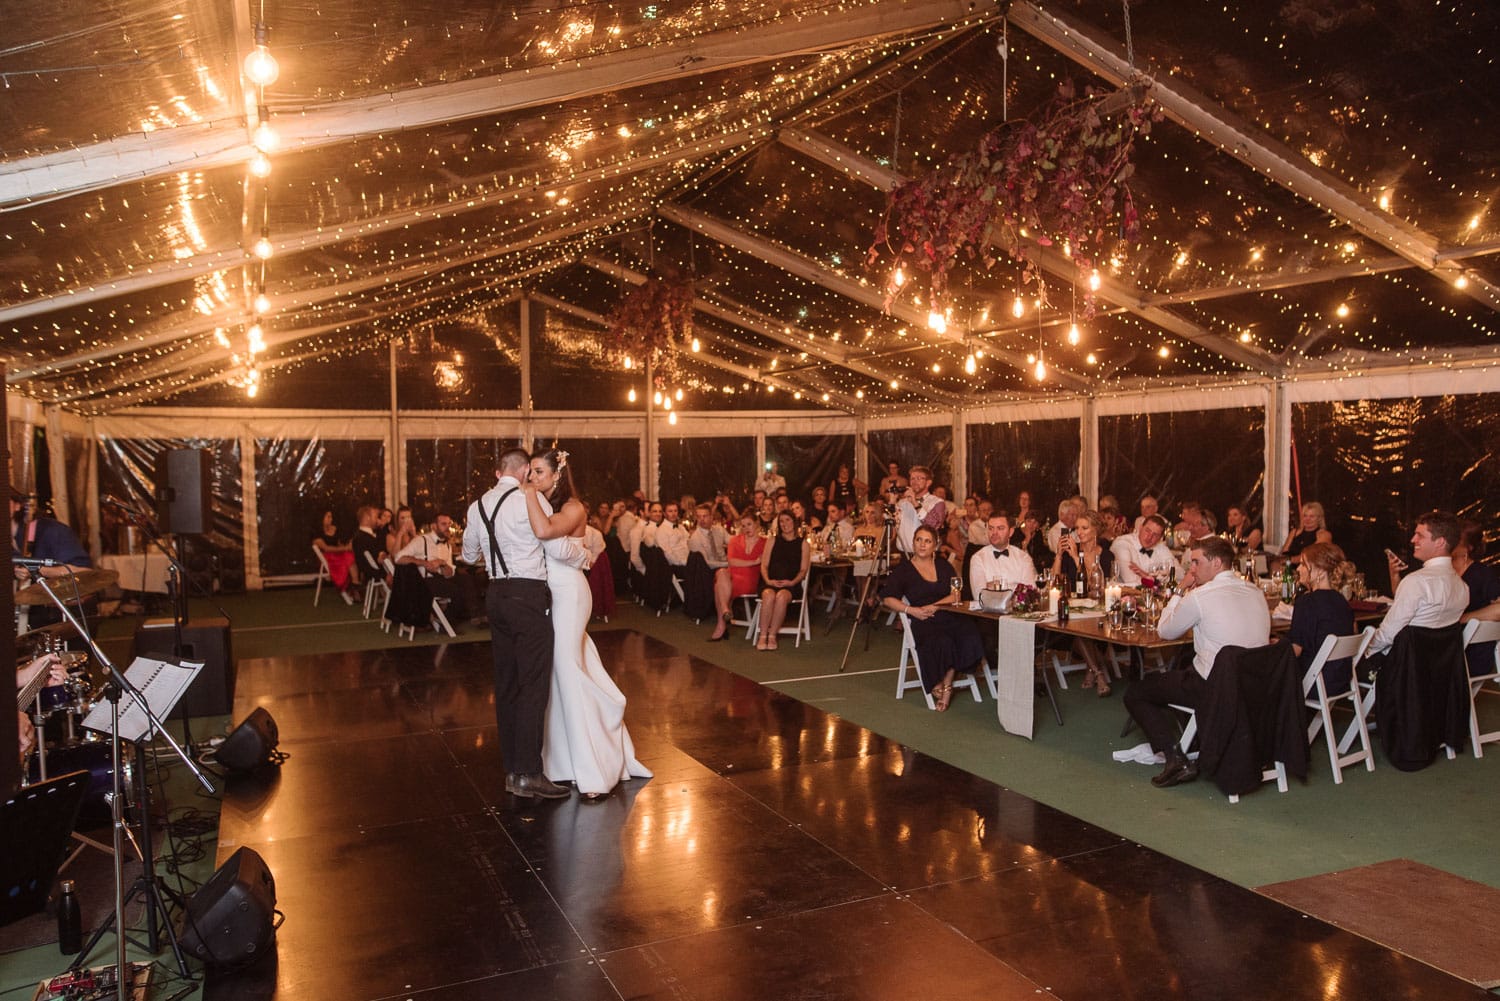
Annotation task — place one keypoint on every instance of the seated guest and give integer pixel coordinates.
(1114, 520)
(385, 523)
(817, 511)
(1027, 534)
(724, 511)
(872, 526)
(783, 570)
(367, 546)
(1322, 611)
(1067, 515)
(338, 554)
(781, 501)
(1143, 555)
(639, 535)
(918, 506)
(742, 575)
(1484, 590)
(708, 538)
(1221, 610)
(625, 521)
(1000, 564)
(799, 511)
(766, 514)
(432, 554)
(1023, 511)
(672, 539)
(946, 644)
(1244, 533)
(1149, 507)
(401, 533)
(1199, 523)
(1081, 557)
(839, 531)
(1434, 596)
(979, 525)
(1314, 529)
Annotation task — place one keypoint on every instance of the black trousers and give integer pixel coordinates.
(1147, 702)
(521, 645)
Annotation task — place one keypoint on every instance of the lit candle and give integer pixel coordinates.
(1053, 596)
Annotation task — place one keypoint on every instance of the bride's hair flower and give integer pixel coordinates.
(562, 460)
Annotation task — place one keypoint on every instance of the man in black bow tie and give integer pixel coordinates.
(1000, 563)
(1143, 553)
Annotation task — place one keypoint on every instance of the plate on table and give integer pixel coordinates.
(1082, 603)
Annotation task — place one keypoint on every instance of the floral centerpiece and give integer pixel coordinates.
(1058, 179)
(1025, 599)
(652, 322)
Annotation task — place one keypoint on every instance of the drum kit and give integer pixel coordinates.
(57, 710)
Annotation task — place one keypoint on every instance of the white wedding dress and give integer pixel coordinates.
(586, 741)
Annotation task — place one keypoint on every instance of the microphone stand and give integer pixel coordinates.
(117, 685)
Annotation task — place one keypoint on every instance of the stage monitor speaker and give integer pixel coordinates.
(205, 640)
(184, 491)
(250, 744)
(231, 920)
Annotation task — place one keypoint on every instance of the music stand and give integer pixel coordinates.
(34, 827)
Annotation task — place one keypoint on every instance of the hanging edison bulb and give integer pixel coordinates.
(629, 363)
(678, 394)
(260, 165)
(1018, 308)
(260, 66)
(898, 279)
(262, 303)
(263, 248)
(937, 322)
(656, 397)
(697, 345)
(672, 418)
(1094, 280)
(970, 364)
(630, 396)
(1041, 369)
(265, 137)
(1073, 335)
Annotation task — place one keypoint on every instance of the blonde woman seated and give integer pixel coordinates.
(1079, 555)
(783, 568)
(946, 644)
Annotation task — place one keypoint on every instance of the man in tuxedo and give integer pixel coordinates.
(1143, 554)
(1000, 563)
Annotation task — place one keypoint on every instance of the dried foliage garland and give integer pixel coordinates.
(1060, 178)
(652, 322)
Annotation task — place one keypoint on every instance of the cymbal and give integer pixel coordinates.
(63, 630)
(81, 584)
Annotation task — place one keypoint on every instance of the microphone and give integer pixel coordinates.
(23, 561)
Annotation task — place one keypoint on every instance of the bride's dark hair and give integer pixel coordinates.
(563, 490)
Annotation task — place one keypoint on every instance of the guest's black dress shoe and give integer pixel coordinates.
(1179, 769)
(537, 787)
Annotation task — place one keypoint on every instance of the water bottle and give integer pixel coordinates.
(1288, 584)
(69, 920)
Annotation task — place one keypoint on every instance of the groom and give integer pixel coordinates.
(518, 604)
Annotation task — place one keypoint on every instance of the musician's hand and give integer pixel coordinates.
(27, 733)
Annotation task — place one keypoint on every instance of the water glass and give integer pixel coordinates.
(957, 585)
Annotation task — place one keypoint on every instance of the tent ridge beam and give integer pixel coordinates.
(223, 141)
(1218, 127)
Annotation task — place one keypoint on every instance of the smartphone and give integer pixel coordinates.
(1400, 563)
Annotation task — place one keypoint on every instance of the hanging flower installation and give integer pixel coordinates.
(1058, 179)
(653, 322)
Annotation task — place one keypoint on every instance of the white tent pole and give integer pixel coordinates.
(395, 485)
(57, 463)
(959, 488)
(650, 459)
(526, 372)
(92, 500)
(1088, 459)
(1278, 480)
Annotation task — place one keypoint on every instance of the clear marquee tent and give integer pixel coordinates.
(461, 194)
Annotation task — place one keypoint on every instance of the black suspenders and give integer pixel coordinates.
(489, 525)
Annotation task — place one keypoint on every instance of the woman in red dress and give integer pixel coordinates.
(742, 576)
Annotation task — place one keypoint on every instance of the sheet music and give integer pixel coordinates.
(162, 682)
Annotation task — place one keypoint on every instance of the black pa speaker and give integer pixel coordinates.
(231, 920)
(203, 640)
(250, 744)
(184, 491)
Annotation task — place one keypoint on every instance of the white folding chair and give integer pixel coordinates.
(801, 628)
(1482, 632)
(440, 617)
(1315, 697)
(910, 661)
(385, 606)
(323, 574)
(1276, 773)
(376, 585)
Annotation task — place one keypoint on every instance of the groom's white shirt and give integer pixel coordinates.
(523, 551)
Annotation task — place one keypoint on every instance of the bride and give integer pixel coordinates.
(585, 740)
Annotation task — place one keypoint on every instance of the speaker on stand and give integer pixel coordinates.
(184, 492)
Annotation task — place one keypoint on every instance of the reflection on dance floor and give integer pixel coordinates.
(779, 852)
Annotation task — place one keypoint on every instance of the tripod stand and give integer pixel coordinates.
(118, 686)
(884, 548)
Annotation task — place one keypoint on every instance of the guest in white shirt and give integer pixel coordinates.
(644, 534)
(918, 507)
(979, 526)
(1143, 553)
(1000, 564)
(839, 526)
(709, 539)
(1434, 596)
(672, 539)
(770, 480)
(1148, 508)
(432, 552)
(1222, 610)
(1067, 516)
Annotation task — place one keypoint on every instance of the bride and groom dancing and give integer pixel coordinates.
(561, 717)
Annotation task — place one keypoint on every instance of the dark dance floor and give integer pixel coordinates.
(778, 853)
